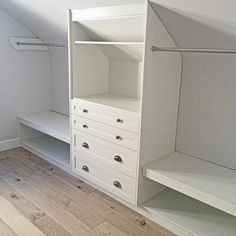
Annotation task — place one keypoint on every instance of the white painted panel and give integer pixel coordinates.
(92, 71)
(160, 97)
(125, 78)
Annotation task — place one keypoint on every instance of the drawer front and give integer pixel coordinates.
(109, 133)
(118, 184)
(118, 118)
(114, 156)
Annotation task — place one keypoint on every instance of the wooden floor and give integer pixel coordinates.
(38, 199)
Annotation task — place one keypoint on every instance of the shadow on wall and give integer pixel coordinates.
(207, 114)
(193, 31)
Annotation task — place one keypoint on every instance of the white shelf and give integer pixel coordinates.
(118, 50)
(51, 149)
(206, 182)
(108, 43)
(50, 123)
(116, 101)
(187, 216)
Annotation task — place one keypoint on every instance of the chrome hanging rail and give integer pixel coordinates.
(192, 50)
(43, 44)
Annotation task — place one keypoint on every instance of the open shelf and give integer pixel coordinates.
(116, 101)
(46, 134)
(204, 181)
(108, 43)
(51, 149)
(188, 216)
(50, 123)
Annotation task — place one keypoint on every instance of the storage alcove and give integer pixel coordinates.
(46, 134)
(193, 196)
(124, 109)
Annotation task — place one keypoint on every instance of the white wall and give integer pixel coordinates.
(24, 79)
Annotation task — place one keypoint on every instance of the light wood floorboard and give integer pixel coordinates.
(5, 230)
(48, 201)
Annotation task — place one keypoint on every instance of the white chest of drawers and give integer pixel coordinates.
(105, 147)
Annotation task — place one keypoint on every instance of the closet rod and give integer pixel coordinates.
(43, 44)
(192, 50)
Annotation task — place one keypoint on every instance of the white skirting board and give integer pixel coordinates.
(9, 144)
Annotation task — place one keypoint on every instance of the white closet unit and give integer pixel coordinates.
(123, 112)
(46, 134)
(106, 83)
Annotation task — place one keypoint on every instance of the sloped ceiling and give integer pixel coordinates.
(48, 18)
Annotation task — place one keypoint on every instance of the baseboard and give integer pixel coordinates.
(9, 144)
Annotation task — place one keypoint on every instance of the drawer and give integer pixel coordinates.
(114, 156)
(118, 184)
(108, 115)
(106, 132)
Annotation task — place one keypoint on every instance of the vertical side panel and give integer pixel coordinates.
(160, 99)
(74, 33)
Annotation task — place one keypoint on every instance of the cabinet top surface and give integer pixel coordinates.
(115, 101)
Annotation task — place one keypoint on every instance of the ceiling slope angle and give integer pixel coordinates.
(48, 19)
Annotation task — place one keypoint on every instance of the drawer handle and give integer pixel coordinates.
(118, 137)
(85, 145)
(117, 184)
(119, 121)
(85, 111)
(85, 126)
(118, 158)
(85, 168)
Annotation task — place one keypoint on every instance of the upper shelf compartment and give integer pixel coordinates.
(118, 50)
(119, 23)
